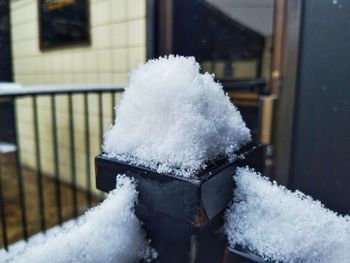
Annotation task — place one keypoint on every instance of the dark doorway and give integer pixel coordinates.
(312, 137)
(321, 146)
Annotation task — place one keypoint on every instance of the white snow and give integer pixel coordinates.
(284, 226)
(108, 233)
(9, 86)
(7, 147)
(19, 246)
(174, 119)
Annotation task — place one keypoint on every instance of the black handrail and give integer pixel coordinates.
(256, 85)
(34, 93)
(44, 90)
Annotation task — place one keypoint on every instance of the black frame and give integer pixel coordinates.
(50, 36)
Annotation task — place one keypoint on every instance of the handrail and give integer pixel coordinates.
(73, 121)
(48, 90)
(52, 121)
(244, 85)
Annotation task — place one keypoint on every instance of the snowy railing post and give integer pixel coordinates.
(180, 215)
(177, 134)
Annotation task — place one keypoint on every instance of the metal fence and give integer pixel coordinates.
(34, 94)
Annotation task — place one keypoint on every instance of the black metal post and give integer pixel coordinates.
(181, 216)
(72, 155)
(113, 107)
(100, 126)
(2, 210)
(38, 165)
(100, 111)
(20, 178)
(56, 160)
(87, 149)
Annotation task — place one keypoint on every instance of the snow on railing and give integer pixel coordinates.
(174, 119)
(109, 232)
(69, 111)
(284, 226)
(16, 90)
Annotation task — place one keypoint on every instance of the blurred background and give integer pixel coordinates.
(64, 63)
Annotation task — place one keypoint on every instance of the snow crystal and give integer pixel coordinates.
(107, 233)
(174, 119)
(284, 226)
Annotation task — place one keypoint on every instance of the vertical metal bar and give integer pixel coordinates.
(259, 65)
(100, 111)
(20, 178)
(151, 29)
(212, 67)
(279, 17)
(56, 159)
(2, 211)
(113, 106)
(288, 76)
(38, 165)
(72, 155)
(165, 27)
(87, 149)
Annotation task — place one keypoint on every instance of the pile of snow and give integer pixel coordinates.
(284, 226)
(174, 119)
(108, 233)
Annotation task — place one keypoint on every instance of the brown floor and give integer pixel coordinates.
(9, 185)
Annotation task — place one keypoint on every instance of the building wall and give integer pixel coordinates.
(118, 43)
(118, 36)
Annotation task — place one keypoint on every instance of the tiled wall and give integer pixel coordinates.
(118, 34)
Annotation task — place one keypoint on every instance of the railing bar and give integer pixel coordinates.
(113, 107)
(56, 159)
(72, 154)
(2, 212)
(87, 148)
(19, 175)
(100, 111)
(38, 165)
(31, 91)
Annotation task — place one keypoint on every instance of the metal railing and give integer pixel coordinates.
(34, 93)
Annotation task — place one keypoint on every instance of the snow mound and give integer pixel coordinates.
(107, 233)
(284, 226)
(174, 119)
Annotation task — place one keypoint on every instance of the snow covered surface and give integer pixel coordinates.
(284, 226)
(19, 246)
(9, 89)
(174, 119)
(9, 86)
(108, 233)
(7, 147)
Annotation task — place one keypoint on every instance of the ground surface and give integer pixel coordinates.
(10, 189)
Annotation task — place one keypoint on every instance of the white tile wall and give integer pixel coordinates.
(118, 34)
(118, 28)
